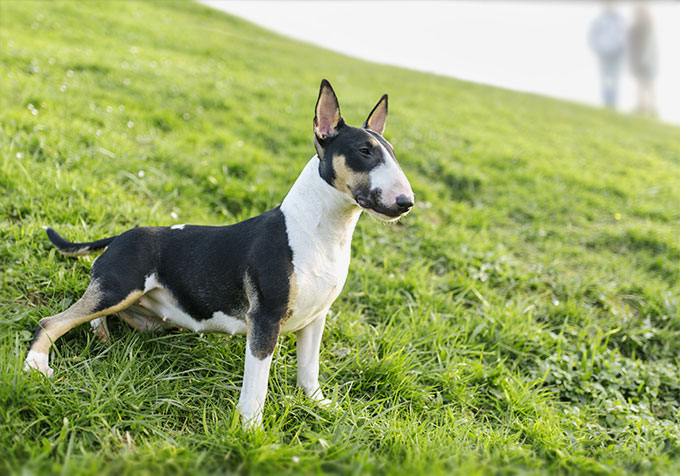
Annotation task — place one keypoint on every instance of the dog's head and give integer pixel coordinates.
(358, 161)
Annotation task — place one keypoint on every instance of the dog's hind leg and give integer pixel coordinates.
(143, 320)
(95, 302)
(100, 328)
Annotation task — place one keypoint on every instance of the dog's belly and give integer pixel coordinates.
(163, 304)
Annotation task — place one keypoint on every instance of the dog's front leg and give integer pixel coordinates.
(260, 345)
(308, 345)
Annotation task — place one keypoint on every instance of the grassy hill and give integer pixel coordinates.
(524, 317)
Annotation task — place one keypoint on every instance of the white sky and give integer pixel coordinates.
(528, 46)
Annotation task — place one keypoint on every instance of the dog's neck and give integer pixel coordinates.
(320, 211)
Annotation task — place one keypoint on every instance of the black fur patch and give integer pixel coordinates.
(204, 268)
(385, 144)
(36, 334)
(66, 246)
(357, 146)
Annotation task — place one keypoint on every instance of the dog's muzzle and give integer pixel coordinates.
(372, 202)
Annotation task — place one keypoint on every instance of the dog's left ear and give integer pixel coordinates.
(378, 117)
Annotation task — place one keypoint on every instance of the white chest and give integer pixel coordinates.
(320, 221)
(320, 275)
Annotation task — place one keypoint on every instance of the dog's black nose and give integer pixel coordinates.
(404, 202)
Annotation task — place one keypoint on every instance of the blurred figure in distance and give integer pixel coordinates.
(607, 39)
(643, 59)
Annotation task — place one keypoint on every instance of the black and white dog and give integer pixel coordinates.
(276, 273)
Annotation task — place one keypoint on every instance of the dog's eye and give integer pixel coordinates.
(365, 151)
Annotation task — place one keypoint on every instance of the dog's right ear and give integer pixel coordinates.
(327, 118)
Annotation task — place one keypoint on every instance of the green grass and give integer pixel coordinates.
(523, 318)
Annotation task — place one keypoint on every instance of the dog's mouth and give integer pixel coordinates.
(378, 210)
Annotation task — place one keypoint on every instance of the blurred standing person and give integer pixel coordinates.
(607, 39)
(643, 59)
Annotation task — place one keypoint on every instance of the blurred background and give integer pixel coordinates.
(619, 54)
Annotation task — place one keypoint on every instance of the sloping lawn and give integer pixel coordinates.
(523, 318)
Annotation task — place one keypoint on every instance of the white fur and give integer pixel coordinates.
(178, 227)
(308, 345)
(161, 302)
(151, 282)
(254, 389)
(38, 361)
(100, 328)
(320, 221)
(96, 323)
(221, 322)
(390, 179)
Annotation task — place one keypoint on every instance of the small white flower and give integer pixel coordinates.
(130, 124)
(174, 215)
(19, 155)
(140, 174)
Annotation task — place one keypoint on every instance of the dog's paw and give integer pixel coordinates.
(319, 400)
(324, 403)
(253, 423)
(100, 329)
(38, 361)
(328, 404)
(251, 418)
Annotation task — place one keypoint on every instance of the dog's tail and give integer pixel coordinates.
(67, 248)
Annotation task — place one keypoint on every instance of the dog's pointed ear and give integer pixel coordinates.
(378, 117)
(327, 118)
